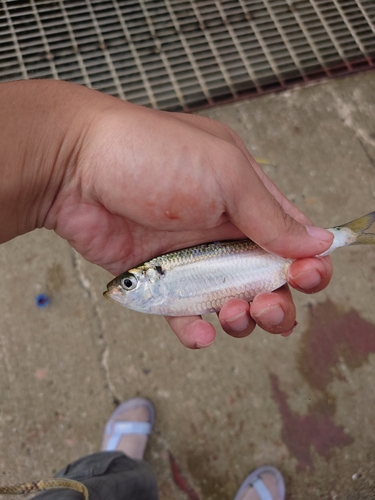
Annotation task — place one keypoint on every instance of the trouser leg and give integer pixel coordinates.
(107, 476)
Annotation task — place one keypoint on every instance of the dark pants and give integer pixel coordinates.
(108, 475)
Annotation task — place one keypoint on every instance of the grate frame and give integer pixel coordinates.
(186, 54)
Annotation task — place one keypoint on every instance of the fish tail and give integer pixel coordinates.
(359, 226)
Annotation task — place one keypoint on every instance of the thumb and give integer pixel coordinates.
(253, 209)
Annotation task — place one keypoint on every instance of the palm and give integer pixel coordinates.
(117, 243)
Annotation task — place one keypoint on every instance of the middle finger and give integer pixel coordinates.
(275, 312)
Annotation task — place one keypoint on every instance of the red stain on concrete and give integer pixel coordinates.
(333, 337)
(180, 481)
(301, 432)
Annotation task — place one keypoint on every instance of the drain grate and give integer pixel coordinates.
(185, 54)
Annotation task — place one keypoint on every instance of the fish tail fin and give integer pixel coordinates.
(359, 226)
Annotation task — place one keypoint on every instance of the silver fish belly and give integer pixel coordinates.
(200, 279)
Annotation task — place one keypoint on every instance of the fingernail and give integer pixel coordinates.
(271, 316)
(202, 346)
(319, 233)
(239, 322)
(308, 280)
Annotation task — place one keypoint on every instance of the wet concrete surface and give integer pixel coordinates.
(305, 403)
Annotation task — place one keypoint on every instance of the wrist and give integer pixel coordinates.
(40, 133)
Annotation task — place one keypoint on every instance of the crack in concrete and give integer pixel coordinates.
(4, 356)
(85, 284)
(370, 158)
(345, 112)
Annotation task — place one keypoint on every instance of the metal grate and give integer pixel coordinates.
(184, 54)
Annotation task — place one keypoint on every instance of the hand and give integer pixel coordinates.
(133, 183)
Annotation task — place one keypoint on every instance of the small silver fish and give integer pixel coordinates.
(198, 280)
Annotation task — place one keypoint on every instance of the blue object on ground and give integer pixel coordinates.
(42, 300)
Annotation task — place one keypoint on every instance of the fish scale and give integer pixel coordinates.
(209, 275)
(200, 279)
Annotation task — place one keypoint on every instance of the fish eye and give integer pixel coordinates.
(129, 282)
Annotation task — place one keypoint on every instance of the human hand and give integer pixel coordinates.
(136, 183)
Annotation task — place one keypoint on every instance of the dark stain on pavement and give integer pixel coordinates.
(301, 432)
(180, 480)
(333, 338)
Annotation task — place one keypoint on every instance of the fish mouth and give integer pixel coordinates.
(113, 293)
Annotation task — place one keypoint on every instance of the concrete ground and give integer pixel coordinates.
(305, 403)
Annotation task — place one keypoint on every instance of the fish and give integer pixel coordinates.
(198, 280)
